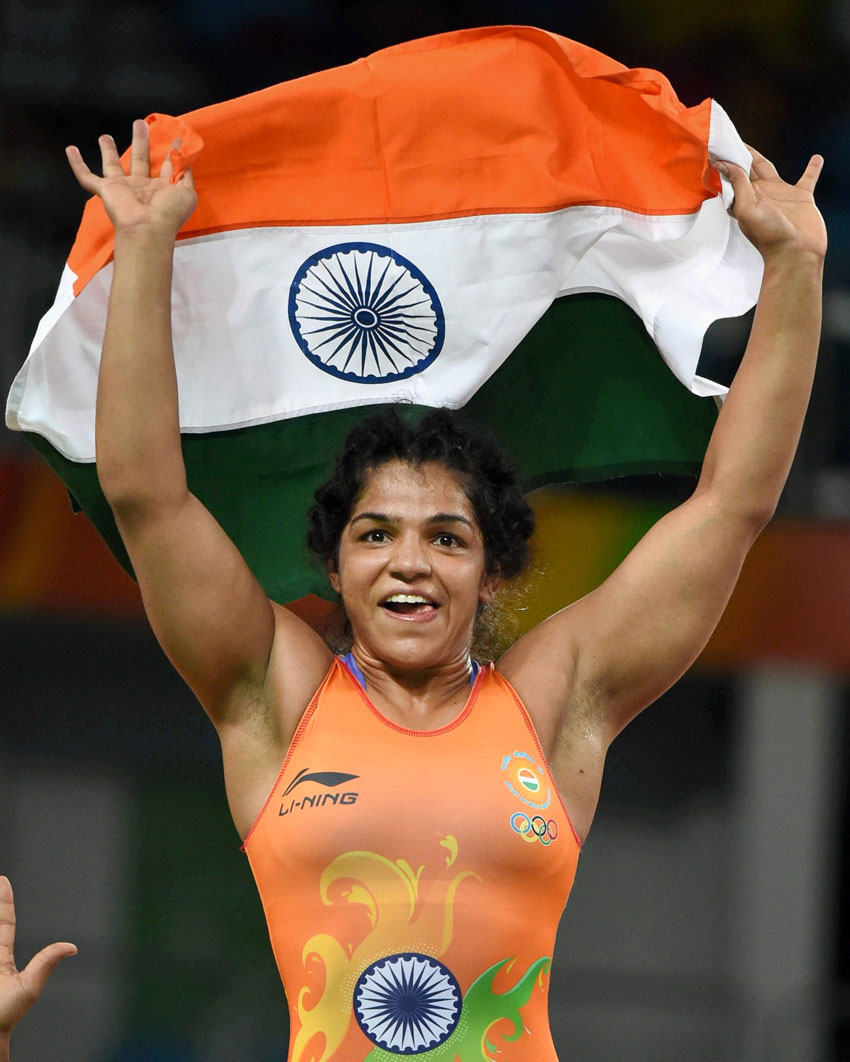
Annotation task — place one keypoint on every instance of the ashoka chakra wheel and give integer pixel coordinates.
(407, 1003)
(362, 312)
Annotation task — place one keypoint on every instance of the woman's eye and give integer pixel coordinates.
(446, 539)
(375, 535)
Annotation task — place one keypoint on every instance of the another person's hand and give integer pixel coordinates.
(776, 216)
(20, 989)
(137, 198)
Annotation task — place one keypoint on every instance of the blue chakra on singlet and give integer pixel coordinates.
(362, 312)
(407, 1003)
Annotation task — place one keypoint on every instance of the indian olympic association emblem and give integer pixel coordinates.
(407, 1003)
(526, 780)
(362, 312)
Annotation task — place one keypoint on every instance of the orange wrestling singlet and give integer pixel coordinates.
(413, 880)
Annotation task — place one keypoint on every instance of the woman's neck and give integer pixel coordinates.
(416, 698)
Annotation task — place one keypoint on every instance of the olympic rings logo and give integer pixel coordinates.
(535, 828)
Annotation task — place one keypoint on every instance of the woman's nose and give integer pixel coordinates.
(410, 557)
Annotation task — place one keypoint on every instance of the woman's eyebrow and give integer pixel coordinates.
(381, 518)
(437, 518)
(445, 518)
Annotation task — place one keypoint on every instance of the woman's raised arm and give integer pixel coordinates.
(624, 644)
(209, 613)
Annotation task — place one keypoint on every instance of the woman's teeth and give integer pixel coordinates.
(407, 603)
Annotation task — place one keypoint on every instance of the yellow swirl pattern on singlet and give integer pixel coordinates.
(389, 892)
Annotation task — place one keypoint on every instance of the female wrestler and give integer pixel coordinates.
(20, 989)
(415, 852)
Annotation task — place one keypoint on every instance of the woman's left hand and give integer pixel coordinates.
(775, 216)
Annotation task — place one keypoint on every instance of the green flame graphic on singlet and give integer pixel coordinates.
(482, 1008)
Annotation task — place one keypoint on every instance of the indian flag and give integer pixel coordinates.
(496, 219)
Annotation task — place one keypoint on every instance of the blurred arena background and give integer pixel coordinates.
(710, 915)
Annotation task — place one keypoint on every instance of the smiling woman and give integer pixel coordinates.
(427, 930)
(480, 501)
(412, 569)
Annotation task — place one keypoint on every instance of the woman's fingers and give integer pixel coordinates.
(743, 189)
(762, 167)
(810, 175)
(7, 923)
(109, 157)
(84, 175)
(140, 152)
(42, 965)
(167, 169)
(140, 159)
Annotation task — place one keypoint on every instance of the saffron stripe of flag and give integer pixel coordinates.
(437, 224)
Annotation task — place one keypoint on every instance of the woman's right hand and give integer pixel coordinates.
(137, 199)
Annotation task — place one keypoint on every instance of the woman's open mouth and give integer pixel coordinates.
(410, 606)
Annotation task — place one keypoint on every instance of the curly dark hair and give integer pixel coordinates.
(483, 468)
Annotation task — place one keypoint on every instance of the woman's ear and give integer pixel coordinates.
(333, 578)
(490, 583)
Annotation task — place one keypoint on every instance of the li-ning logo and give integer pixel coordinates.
(329, 779)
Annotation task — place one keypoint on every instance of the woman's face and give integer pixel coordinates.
(411, 568)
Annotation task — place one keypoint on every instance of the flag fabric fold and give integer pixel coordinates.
(496, 219)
